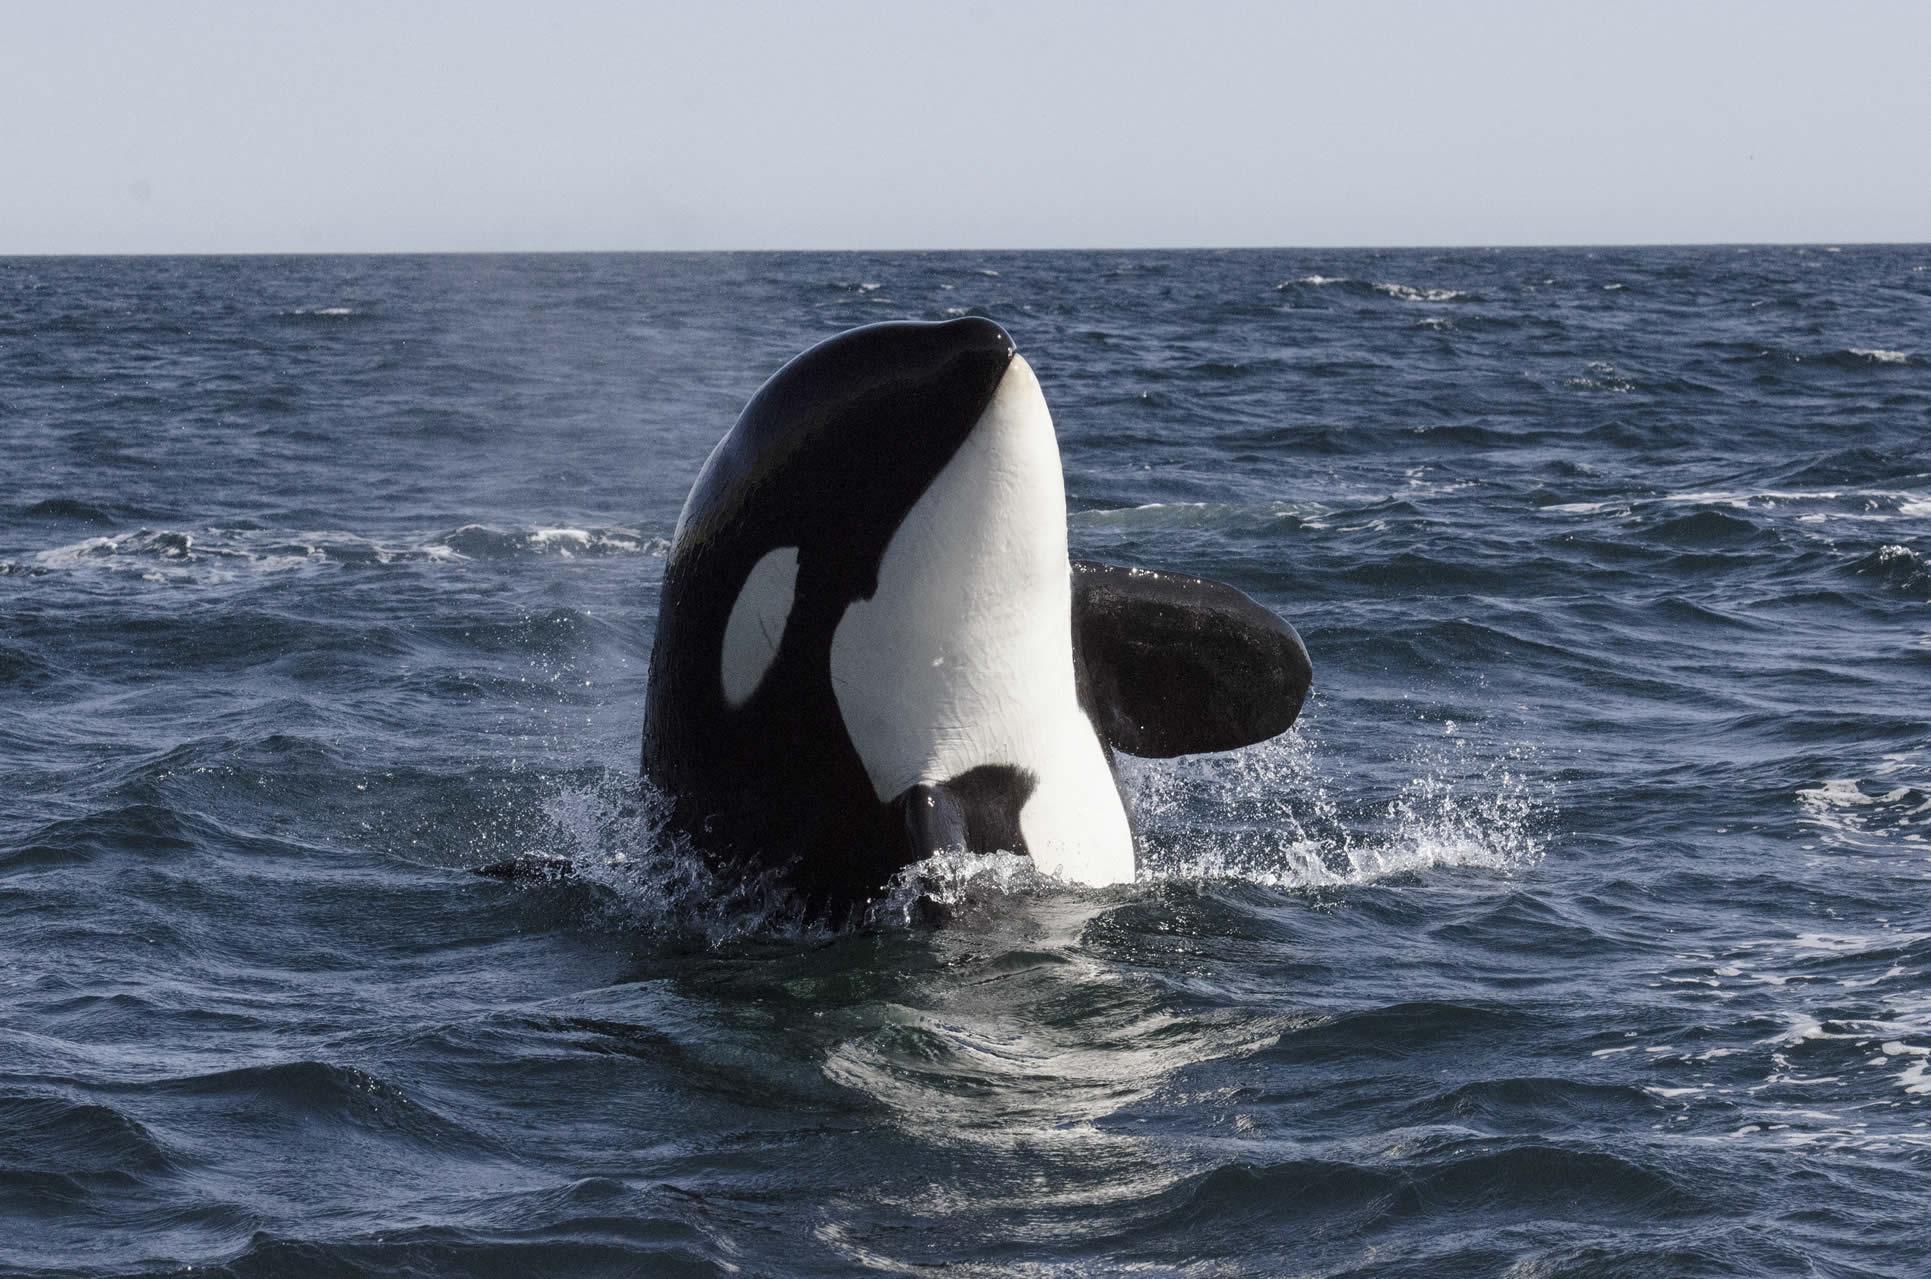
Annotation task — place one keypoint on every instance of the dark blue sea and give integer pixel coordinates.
(1581, 927)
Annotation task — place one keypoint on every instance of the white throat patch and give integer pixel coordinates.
(964, 654)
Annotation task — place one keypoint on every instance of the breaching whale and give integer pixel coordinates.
(872, 645)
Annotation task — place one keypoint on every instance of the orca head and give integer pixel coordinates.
(843, 438)
(878, 546)
(791, 511)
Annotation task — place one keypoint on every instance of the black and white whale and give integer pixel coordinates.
(872, 645)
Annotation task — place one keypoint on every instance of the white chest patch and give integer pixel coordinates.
(964, 655)
(756, 626)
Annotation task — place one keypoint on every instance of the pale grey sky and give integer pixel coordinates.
(219, 126)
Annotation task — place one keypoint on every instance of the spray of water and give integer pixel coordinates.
(1279, 813)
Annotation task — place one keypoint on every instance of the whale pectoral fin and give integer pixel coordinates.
(1176, 665)
(934, 820)
(974, 812)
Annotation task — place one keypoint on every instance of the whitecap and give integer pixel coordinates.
(77, 552)
(212, 556)
(1877, 356)
(1836, 792)
(144, 545)
(1864, 816)
(1199, 515)
(1408, 293)
(483, 541)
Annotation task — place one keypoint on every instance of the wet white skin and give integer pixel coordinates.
(964, 655)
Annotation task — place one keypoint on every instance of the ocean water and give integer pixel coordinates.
(1579, 928)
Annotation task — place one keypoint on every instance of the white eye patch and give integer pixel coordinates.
(756, 625)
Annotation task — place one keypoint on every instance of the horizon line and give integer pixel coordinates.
(749, 252)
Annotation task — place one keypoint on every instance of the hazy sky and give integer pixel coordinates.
(165, 126)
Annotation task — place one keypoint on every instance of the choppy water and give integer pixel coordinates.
(1580, 928)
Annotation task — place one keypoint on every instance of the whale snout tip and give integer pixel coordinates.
(977, 331)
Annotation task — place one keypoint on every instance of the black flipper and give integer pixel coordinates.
(934, 820)
(975, 812)
(1175, 665)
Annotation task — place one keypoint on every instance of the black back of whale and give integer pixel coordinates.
(829, 456)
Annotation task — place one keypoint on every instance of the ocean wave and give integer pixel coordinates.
(1842, 1027)
(152, 828)
(79, 1140)
(1874, 814)
(1457, 1174)
(1223, 516)
(1601, 376)
(66, 508)
(155, 544)
(616, 1240)
(1853, 358)
(1384, 288)
(1409, 293)
(172, 556)
(1705, 529)
(296, 1098)
(484, 542)
(1899, 567)
(1586, 508)
(1859, 466)
(214, 556)
(1764, 508)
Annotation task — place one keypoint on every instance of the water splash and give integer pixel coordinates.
(1271, 815)
(610, 837)
(1268, 815)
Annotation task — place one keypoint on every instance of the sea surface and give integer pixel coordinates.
(1580, 927)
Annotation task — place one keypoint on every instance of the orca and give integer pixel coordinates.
(872, 645)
